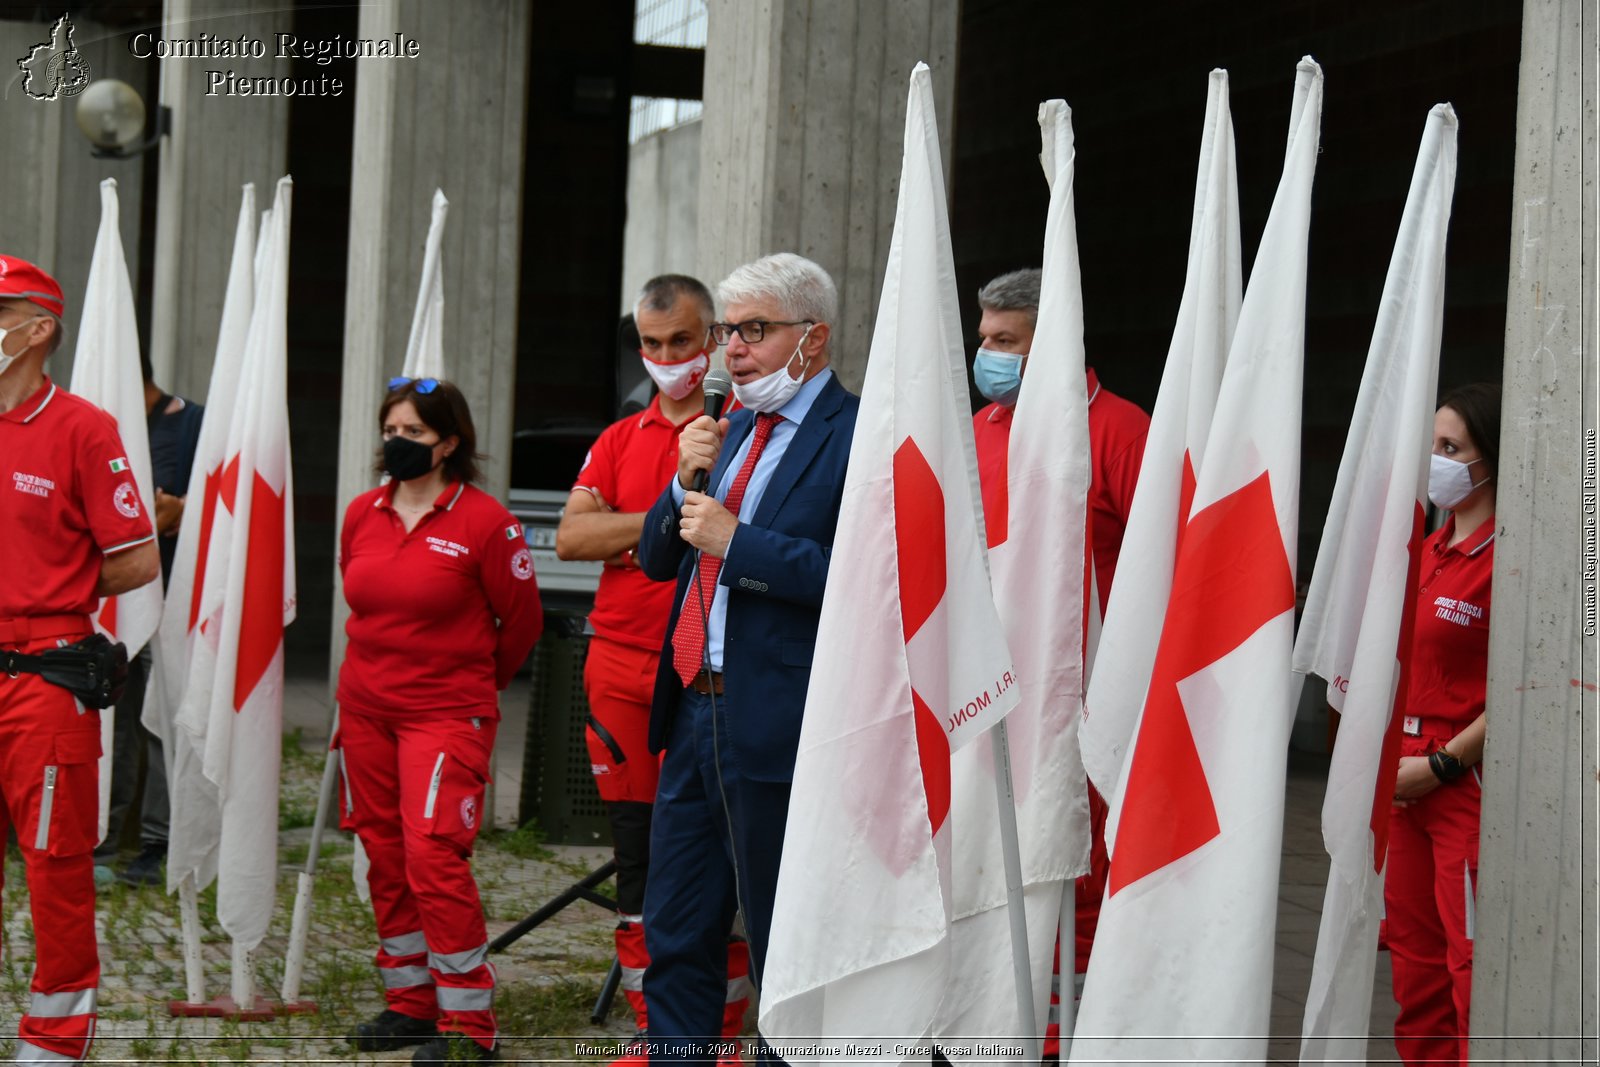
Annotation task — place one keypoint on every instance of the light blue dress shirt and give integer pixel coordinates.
(791, 415)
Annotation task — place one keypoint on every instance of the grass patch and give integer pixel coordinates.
(525, 842)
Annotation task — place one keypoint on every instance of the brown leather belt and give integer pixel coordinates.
(25, 628)
(707, 684)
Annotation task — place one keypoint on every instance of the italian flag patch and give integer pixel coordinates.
(119, 465)
(513, 532)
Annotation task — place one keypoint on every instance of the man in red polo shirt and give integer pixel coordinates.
(621, 477)
(1117, 429)
(75, 531)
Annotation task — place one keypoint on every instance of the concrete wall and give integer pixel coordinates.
(1536, 955)
(662, 232)
(801, 141)
(52, 199)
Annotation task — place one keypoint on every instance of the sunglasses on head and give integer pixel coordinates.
(424, 385)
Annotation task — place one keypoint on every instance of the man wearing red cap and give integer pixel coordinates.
(75, 531)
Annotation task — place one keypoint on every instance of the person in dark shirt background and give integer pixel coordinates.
(137, 767)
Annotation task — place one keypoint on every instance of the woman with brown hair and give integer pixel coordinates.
(443, 610)
(1430, 884)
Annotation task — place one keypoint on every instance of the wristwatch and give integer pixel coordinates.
(1444, 766)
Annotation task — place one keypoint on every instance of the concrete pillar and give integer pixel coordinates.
(801, 138)
(663, 209)
(453, 118)
(217, 144)
(1535, 955)
(51, 182)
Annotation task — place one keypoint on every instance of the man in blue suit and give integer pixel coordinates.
(750, 555)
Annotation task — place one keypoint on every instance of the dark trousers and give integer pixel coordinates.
(711, 822)
(138, 771)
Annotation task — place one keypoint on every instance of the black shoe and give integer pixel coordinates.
(452, 1048)
(145, 868)
(392, 1030)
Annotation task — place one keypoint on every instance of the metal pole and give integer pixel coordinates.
(294, 958)
(1012, 854)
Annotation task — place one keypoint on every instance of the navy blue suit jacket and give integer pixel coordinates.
(775, 571)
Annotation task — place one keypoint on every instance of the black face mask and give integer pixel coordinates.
(406, 459)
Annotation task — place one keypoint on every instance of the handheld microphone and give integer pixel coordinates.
(718, 385)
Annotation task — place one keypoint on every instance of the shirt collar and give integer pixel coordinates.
(30, 408)
(446, 500)
(799, 405)
(1472, 544)
(653, 413)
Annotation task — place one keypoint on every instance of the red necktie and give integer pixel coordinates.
(689, 639)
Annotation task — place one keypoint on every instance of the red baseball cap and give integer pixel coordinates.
(22, 280)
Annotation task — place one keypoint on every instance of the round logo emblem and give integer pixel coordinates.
(67, 74)
(469, 812)
(126, 500)
(522, 564)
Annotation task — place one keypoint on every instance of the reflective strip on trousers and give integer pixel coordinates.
(344, 775)
(459, 998)
(1472, 903)
(738, 989)
(41, 839)
(459, 962)
(30, 1053)
(404, 977)
(62, 1005)
(412, 944)
(433, 787)
(633, 979)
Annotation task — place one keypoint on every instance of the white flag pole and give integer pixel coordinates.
(194, 970)
(1021, 969)
(244, 979)
(1067, 972)
(295, 957)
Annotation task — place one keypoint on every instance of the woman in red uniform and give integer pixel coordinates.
(443, 610)
(1430, 885)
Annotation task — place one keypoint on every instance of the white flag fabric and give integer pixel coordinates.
(1039, 584)
(1356, 628)
(105, 372)
(183, 651)
(1182, 967)
(1207, 315)
(249, 596)
(910, 656)
(425, 348)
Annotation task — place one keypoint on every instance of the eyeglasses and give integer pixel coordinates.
(752, 330)
(424, 385)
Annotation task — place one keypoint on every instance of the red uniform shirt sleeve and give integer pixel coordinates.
(513, 592)
(599, 473)
(118, 516)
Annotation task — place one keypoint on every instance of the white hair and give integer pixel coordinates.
(803, 289)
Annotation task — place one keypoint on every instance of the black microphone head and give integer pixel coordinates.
(718, 385)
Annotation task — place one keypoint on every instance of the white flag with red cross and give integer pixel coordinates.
(1182, 962)
(249, 598)
(1356, 629)
(182, 650)
(1173, 452)
(910, 661)
(1039, 590)
(425, 347)
(105, 372)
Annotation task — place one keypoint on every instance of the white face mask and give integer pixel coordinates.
(770, 392)
(6, 360)
(677, 380)
(1450, 481)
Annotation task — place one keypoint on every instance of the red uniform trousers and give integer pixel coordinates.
(1429, 899)
(49, 785)
(413, 791)
(1089, 891)
(620, 680)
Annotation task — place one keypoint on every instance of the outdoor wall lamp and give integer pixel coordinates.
(111, 115)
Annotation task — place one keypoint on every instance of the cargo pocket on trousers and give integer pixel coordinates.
(453, 809)
(69, 800)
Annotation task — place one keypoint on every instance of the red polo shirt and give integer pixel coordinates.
(1117, 430)
(67, 500)
(1450, 645)
(424, 605)
(628, 466)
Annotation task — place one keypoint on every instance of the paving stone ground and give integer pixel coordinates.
(548, 980)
